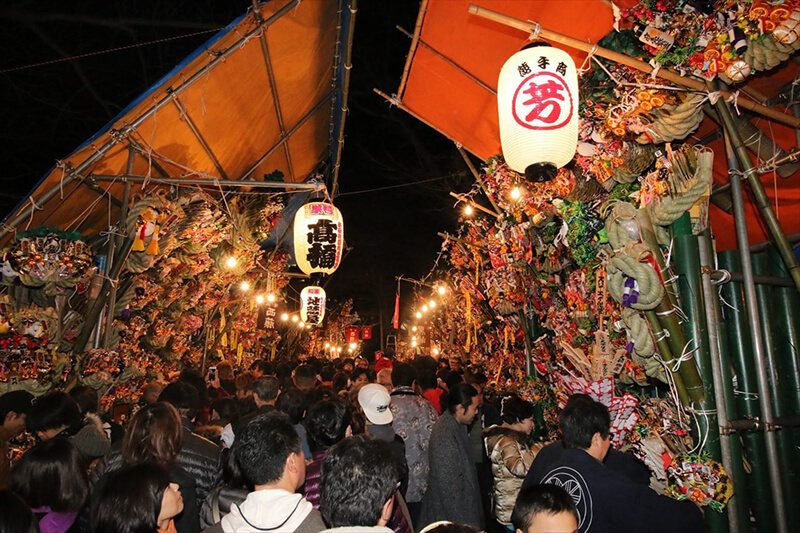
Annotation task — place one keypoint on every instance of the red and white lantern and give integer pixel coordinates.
(318, 238)
(537, 102)
(312, 310)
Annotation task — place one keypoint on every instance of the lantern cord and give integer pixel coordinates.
(536, 29)
(584, 68)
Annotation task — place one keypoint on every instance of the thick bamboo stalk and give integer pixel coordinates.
(666, 354)
(638, 64)
(423, 7)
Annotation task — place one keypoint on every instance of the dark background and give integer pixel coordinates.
(47, 111)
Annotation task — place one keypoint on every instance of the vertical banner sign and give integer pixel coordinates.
(352, 334)
(266, 317)
(537, 103)
(366, 333)
(396, 317)
(318, 238)
(312, 310)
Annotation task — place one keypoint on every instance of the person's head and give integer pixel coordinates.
(455, 363)
(463, 402)
(360, 377)
(226, 410)
(15, 515)
(347, 365)
(154, 434)
(293, 402)
(225, 370)
(518, 414)
(326, 373)
(477, 380)
(51, 474)
(14, 409)
(151, 391)
(384, 379)
(183, 396)
(327, 423)
(265, 390)
(51, 414)
(85, 397)
(193, 377)
(453, 378)
(340, 382)
(244, 384)
(374, 400)
(586, 425)
(305, 377)
(403, 375)
(137, 499)
(360, 362)
(427, 380)
(359, 478)
(544, 509)
(448, 527)
(261, 368)
(269, 452)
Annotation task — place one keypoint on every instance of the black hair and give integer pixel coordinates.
(537, 499)
(263, 445)
(427, 380)
(358, 371)
(266, 388)
(131, 500)
(460, 394)
(232, 475)
(327, 423)
(449, 527)
(580, 420)
(476, 378)
(403, 375)
(85, 397)
(227, 409)
(305, 375)
(327, 372)
(514, 409)
(15, 515)
(283, 370)
(453, 378)
(292, 402)
(52, 411)
(51, 474)
(340, 380)
(195, 378)
(359, 475)
(265, 367)
(183, 396)
(17, 401)
(424, 362)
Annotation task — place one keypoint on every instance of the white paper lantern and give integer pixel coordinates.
(313, 305)
(537, 101)
(318, 238)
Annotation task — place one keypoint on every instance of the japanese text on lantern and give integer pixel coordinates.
(322, 237)
(314, 309)
(543, 100)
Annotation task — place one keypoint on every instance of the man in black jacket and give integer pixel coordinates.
(609, 502)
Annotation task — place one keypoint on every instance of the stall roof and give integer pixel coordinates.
(455, 58)
(265, 94)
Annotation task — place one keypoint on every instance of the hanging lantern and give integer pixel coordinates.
(318, 238)
(313, 305)
(537, 101)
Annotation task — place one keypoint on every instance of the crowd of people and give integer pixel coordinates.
(319, 445)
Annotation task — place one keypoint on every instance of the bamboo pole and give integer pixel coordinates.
(445, 236)
(347, 65)
(423, 8)
(475, 205)
(477, 176)
(638, 64)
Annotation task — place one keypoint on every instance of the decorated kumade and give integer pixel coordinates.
(318, 238)
(700, 479)
(51, 258)
(537, 102)
(313, 305)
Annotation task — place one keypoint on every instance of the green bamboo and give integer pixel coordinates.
(687, 263)
(766, 307)
(746, 394)
(738, 473)
(787, 333)
(666, 355)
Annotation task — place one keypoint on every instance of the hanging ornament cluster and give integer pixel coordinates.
(313, 305)
(318, 238)
(537, 101)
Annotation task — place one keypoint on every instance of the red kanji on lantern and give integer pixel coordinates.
(366, 333)
(352, 334)
(543, 101)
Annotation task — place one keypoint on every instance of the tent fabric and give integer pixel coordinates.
(232, 107)
(455, 46)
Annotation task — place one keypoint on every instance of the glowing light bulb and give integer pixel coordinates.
(516, 193)
(295, 318)
(270, 297)
(327, 345)
(436, 351)
(259, 299)
(413, 344)
(442, 290)
(349, 350)
(432, 304)
(468, 210)
(424, 308)
(285, 316)
(418, 315)
(414, 338)
(414, 328)
(339, 349)
(231, 262)
(301, 324)
(353, 345)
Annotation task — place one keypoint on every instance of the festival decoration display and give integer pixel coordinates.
(700, 479)
(312, 309)
(537, 100)
(318, 238)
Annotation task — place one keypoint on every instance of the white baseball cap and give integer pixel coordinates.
(374, 400)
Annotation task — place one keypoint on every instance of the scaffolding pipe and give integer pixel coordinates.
(310, 186)
(751, 304)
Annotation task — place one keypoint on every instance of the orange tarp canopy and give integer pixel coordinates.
(453, 74)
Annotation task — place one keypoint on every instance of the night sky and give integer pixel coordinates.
(49, 110)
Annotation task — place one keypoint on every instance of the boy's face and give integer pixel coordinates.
(553, 523)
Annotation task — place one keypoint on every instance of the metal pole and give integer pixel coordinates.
(706, 266)
(312, 186)
(751, 302)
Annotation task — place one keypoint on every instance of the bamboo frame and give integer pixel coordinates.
(347, 65)
(423, 8)
(474, 204)
(199, 136)
(690, 83)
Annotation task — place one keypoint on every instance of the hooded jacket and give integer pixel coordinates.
(511, 457)
(277, 510)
